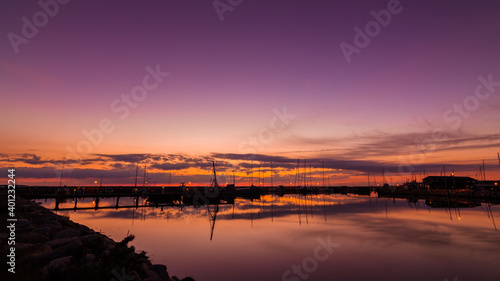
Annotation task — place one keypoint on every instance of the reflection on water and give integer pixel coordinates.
(314, 237)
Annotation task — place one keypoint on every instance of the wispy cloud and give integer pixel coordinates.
(379, 144)
(365, 154)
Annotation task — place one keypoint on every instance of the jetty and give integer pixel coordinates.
(52, 247)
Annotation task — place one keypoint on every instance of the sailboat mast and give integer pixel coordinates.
(271, 174)
(136, 171)
(323, 166)
(62, 171)
(383, 176)
(251, 173)
(305, 172)
(260, 176)
(215, 175)
(310, 175)
(484, 171)
(144, 178)
(297, 173)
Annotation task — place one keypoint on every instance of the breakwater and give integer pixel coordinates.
(52, 247)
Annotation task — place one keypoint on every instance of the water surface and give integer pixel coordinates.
(283, 238)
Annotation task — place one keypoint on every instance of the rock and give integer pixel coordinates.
(31, 238)
(33, 215)
(84, 228)
(108, 241)
(59, 262)
(93, 241)
(20, 223)
(24, 225)
(24, 207)
(161, 270)
(90, 257)
(66, 222)
(50, 222)
(153, 275)
(52, 246)
(56, 243)
(46, 231)
(66, 232)
(68, 249)
(145, 266)
(29, 254)
(53, 227)
(136, 276)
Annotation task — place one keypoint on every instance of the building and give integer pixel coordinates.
(449, 182)
(488, 185)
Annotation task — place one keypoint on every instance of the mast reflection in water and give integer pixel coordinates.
(261, 239)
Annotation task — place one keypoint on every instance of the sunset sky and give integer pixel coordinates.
(173, 85)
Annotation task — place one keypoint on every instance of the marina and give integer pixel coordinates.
(285, 229)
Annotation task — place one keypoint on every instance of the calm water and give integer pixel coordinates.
(284, 238)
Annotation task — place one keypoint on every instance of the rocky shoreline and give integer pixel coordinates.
(52, 247)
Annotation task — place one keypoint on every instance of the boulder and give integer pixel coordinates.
(56, 243)
(46, 231)
(20, 223)
(59, 263)
(161, 270)
(66, 232)
(153, 275)
(93, 241)
(24, 225)
(31, 238)
(29, 253)
(53, 227)
(50, 222)
(68, 249)
(89, 257)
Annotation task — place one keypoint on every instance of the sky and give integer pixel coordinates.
(347, 87)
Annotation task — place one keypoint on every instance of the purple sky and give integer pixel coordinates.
(228, 79)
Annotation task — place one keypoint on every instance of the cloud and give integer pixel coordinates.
(380, 144)
(32, 159)
(130, 158)
(172, 166)
(362, 166)
(360, 158)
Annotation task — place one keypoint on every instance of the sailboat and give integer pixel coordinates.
(251, 192)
